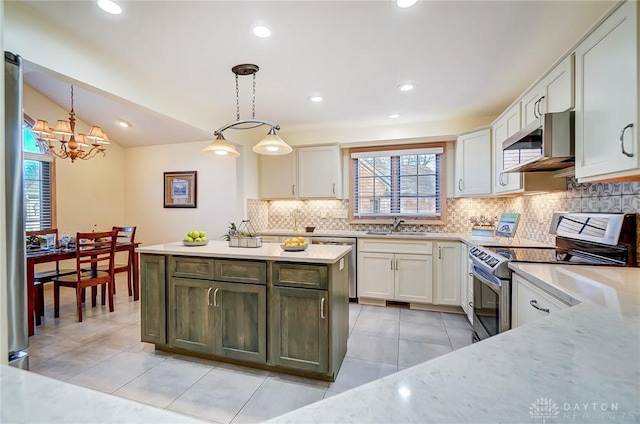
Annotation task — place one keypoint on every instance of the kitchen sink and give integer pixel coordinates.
(396, 233)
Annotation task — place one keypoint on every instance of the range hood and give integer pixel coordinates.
(544, 145)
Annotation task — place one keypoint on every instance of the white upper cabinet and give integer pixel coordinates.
(606, 109)
(319, 172)
(278, 176)
(555, 93)
(473, 164)
(505, 127)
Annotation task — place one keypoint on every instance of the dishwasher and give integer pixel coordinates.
(348, 241)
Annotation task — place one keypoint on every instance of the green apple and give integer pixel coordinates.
(193, 234)
(187, 239)
(198, 239)
(202, 234)
(204, 239)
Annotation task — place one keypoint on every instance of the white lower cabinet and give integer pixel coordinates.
(530, 302)
(395, 270)
(448, 270)
(466, 283)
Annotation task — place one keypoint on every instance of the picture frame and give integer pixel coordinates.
(181, 189)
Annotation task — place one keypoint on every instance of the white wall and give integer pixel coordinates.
(218, 200)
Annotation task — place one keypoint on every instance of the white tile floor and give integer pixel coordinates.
(105, 353)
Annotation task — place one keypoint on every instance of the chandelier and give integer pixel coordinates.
(71, 146)
(271, 144)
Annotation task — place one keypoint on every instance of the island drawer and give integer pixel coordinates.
(234, 271)
(299, 275)
(191, 267)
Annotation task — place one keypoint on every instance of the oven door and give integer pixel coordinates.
(491, 304)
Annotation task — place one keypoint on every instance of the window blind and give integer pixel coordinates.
(404, 183)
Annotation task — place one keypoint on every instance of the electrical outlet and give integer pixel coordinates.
(340, 214)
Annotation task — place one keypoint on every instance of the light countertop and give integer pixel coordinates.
(582, 360)
(315, 253)
(466, 238)
(27, 397)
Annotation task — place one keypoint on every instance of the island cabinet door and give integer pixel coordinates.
(191, 314)
(299, 328)
(153, 318)
(240, 321)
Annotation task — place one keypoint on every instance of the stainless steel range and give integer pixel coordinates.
(581, 238)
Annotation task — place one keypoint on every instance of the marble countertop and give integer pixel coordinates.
(315, 253)
(27, 397)
(463, 237)
(585, 362)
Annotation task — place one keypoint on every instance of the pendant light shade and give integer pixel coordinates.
(220, 146)
(272, 144)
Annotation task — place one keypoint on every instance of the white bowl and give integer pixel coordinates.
(294, 248)
(195, 243)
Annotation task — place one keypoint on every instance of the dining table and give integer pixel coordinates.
(40, 256)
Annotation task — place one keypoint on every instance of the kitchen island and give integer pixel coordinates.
(262, 307)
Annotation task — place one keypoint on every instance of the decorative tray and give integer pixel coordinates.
(294, 248)
(195, 243)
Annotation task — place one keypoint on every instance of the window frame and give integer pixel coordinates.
(28, 123)
(389, 218)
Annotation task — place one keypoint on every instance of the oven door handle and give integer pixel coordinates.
(491, 284)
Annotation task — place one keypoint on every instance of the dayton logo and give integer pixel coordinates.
(544, 408)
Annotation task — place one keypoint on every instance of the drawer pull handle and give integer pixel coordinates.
(534, 303)
(471, 304)
(334, 188)
(391, 264)
(460, 184)
(501, 181)
(293, 189)
(209, 296)
(624, 152)
(396, 264)
(322, 308)
(215, 297)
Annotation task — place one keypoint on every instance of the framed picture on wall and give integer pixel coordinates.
(181, 189)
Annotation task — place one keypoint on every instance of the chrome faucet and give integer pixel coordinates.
(396, 223)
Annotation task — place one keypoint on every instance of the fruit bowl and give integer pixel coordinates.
(294, 248)
(195, 243)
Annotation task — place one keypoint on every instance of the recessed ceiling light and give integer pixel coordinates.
(109, 7)
(123, 123)
(407, 86)
(261, 31)
(393, 115)
(316, 99)
(405, 3)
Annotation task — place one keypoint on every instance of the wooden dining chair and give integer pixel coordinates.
(39, 278)
(93, 250)
(125, 235)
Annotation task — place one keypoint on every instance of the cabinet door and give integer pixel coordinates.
(319, 172)
(607, 97)
(278, 176)
(470, 300)
(190, 314)
(531, 303)
(376, 275)
(464, 300)
(414, 278)
(532, 103)
(448, 270)
(240, 321)
(473, 164)
(559, 87)
(299, 328)
(153, 318)
(507, 126)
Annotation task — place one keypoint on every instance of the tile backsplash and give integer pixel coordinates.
(536, 210)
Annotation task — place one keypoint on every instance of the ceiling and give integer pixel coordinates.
(467, 59)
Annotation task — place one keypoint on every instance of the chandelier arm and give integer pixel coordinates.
(260, 122)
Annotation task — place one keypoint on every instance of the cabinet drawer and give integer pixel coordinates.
(300, 275)
(240, 271)
(394, 246)
(190, 267)
(526, 296)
